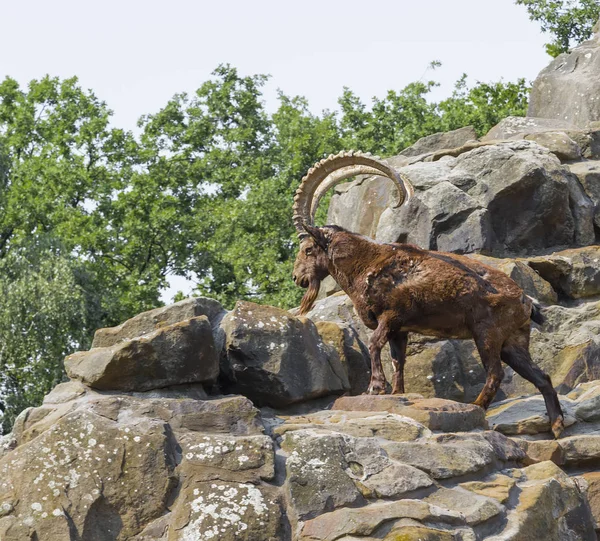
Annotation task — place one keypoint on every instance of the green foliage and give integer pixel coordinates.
(94, 220)
(48, 310)
(569, 22)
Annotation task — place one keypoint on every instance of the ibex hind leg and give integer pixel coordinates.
(489, 350)
(515, 353)
(378, 340)
(398, 351)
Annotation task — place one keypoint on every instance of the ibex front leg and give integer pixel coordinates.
(378, 340)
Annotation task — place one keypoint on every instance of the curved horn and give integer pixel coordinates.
(333, 170)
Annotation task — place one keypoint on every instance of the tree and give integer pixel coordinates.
(48, 310)
(569, 22)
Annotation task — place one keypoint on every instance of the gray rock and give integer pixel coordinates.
(475, 508)
(525, 416)
(574, 273)
(559, 143)
(548, 502)
(152, 320)
(277, 359)
(588, 174)
(568, 88)
(443, 460)
(516, 127)
(439, 141)
(509, 198)
(179, 353)
(316, 478)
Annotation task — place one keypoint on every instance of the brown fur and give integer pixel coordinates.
(400, 288)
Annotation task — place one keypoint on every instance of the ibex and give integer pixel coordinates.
(401, 288)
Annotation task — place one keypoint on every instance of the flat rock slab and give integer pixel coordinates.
(364, 521)
(525, 416)
(389, 426)
(434, 413)
(180, 353)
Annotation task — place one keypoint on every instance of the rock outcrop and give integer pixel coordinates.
(190, 422)
(181, 461)
(568, 89)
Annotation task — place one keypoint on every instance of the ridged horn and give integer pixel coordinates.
(333, 170)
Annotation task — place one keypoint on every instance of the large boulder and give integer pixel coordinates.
(112, 466)
(152, 320)
(277, 359)
(568, 88)
(180, 353)
(508, 198)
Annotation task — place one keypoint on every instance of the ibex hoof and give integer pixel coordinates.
(375, 390)
(557, 427)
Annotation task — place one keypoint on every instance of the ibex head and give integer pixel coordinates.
(311, 264)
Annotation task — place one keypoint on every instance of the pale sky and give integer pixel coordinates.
(136, 54)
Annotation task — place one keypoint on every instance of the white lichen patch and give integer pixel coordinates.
(222, 509)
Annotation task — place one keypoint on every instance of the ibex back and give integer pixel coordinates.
(400, 288)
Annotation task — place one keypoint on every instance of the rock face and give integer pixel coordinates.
(180, 462)
(277, 359)
(508, 198)
(568, 88)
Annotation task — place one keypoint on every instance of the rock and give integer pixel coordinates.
(327, 471)
(250, 458)
(587, 406)
(152, 320)
(524, 275)
(557, 142)
(439, 141)
(179, 353)
(525, 416)
(574, 273)
(566, 347)
(85, 475)
(591, 489)
(475, 508)
(443, 460)
(434, 413)
(316, 478)
(578, 450)
(549, 502)
(65, 392)
(516, 199)
(277, 359)
(541, 451)
(442, 218)
(588, 173)
(358, 424)
(498, 487)
(567, 88)
(364, 521)
(352, 353)
(588, 141)
(227, 512)
(516, 127)
(358, 205)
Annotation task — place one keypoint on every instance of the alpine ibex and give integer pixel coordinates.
(400, 288)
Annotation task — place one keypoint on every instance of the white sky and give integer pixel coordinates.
(136, 54)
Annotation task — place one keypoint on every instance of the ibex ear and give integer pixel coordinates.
(316, 234)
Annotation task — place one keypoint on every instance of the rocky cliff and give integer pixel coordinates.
(191, 422)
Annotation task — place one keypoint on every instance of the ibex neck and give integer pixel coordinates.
(349, 259)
